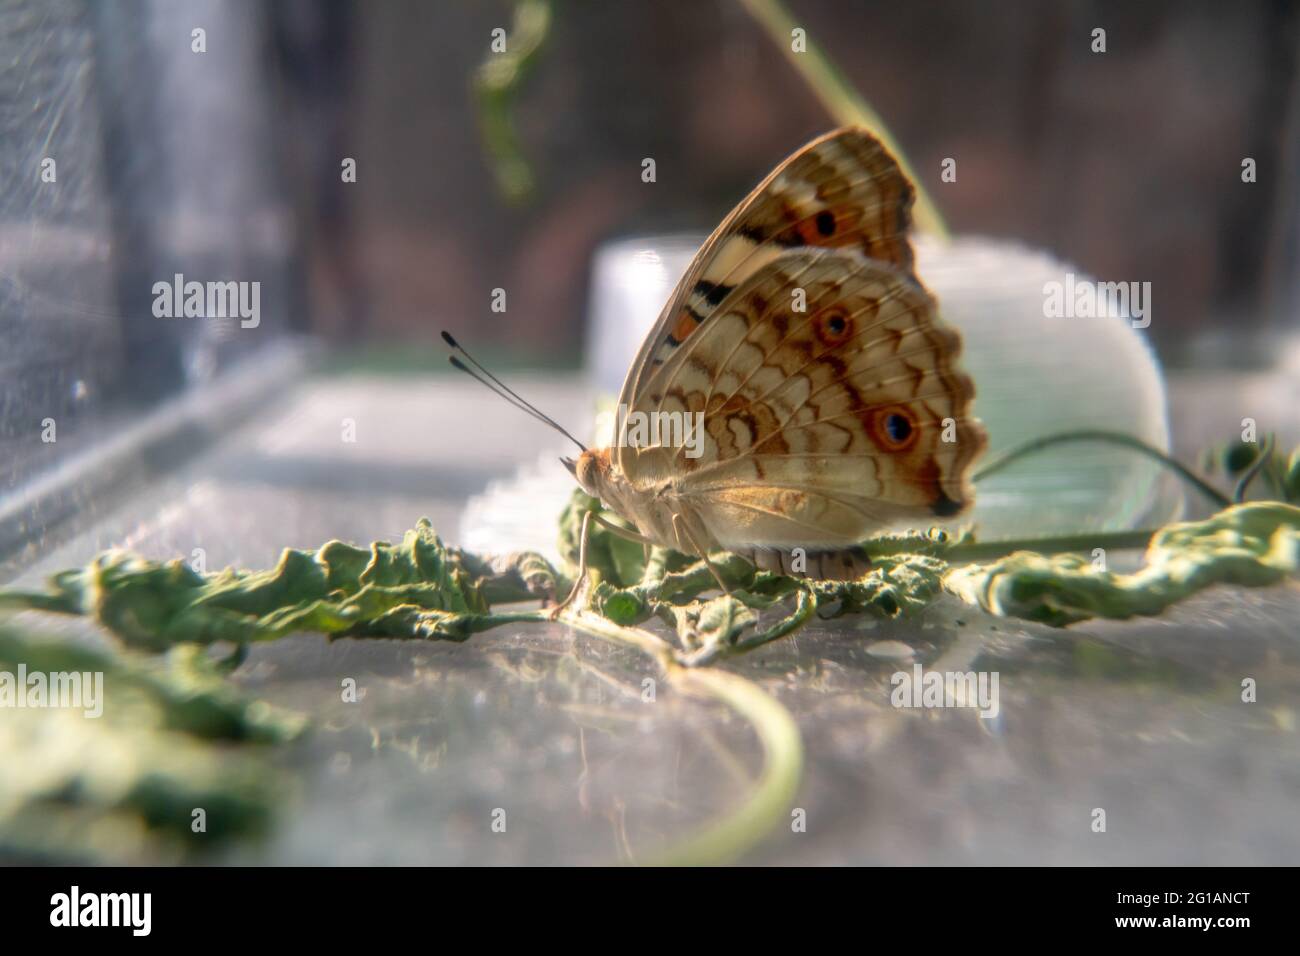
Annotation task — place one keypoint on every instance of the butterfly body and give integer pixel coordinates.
(663, 516)
(659, 512)
(827, 387)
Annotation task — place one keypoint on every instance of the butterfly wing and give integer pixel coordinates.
(832, 403)
(822, 425)
(842, 190)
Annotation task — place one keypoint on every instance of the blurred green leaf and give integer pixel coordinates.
(173, 736)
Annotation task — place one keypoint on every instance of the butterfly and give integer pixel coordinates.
(809, 364)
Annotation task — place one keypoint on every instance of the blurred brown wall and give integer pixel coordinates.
(1127, 163)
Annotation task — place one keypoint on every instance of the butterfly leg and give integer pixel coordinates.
(582, 567)
(622, 532)
(679, 526)
(587, 518)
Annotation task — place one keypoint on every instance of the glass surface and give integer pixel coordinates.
(347, 160)
(1143, 717)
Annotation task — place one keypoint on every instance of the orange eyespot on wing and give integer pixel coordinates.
(833, 326)
(892, 427)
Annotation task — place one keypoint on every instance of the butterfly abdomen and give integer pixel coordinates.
(844, 564)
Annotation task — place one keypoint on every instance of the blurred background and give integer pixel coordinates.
(215, 139)
(226, 164)
(476, 171)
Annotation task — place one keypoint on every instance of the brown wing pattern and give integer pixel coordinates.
(820, 426)
(843, 190)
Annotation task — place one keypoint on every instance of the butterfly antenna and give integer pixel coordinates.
(461, 366)
(501, 389)
(502, 386)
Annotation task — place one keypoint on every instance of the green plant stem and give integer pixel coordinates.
(1261, 460)
(972, 549)
(841, 100)
(737, 830)
(496, 85)
(805, 607)
(967, 551)
(1110, 438)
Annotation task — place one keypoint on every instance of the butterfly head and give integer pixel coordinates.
(592, 469)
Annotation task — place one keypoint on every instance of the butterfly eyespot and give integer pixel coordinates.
(833, 327)
(826, 222)
(898, 428)
(893, 428)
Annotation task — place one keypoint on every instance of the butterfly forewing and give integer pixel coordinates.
(842, 190)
